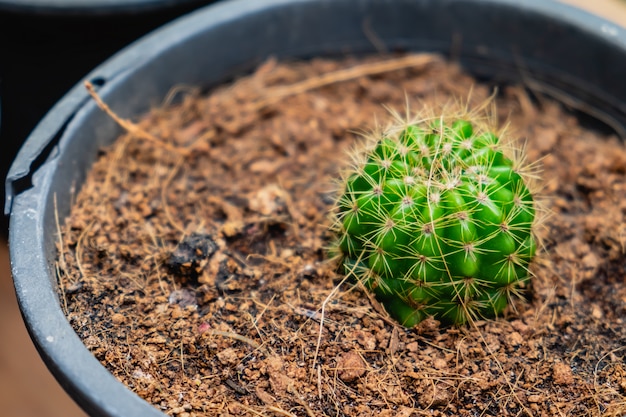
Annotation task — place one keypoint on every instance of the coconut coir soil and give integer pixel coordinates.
(193, 263)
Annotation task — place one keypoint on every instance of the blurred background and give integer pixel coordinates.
(43, 53)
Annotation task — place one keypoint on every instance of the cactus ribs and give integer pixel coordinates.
(436, 220)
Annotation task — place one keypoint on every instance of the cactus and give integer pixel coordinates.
(436, 219)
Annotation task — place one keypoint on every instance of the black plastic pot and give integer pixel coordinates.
(47, 46)
(557, 47)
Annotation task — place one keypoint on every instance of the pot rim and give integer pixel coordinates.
(90, 384)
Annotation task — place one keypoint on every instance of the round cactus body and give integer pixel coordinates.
(436, 219)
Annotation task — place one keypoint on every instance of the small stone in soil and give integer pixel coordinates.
(183, 297)
(562, 374)
(351, 366)
(190, 256)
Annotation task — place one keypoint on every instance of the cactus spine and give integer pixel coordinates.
(436, 219)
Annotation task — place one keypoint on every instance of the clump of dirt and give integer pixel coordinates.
(193, 262)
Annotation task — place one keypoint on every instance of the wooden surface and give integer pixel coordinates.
(614, 10)
(27, 389)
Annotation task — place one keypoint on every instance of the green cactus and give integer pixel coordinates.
(436, 219)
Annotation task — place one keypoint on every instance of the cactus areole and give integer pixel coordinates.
(435, 218)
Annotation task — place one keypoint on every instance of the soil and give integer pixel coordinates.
(193, 264)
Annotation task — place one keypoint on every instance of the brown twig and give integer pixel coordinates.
(275, 94)
(131, 127)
